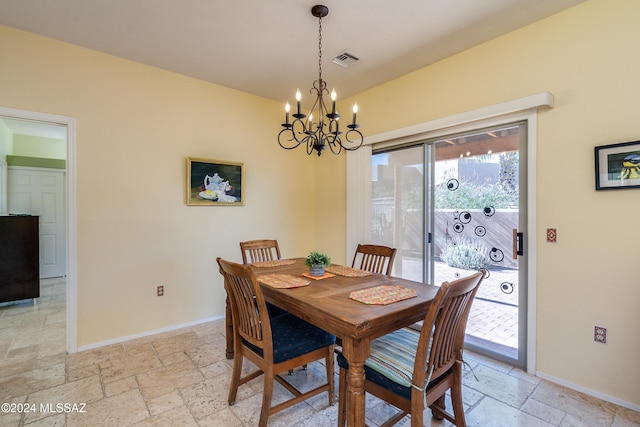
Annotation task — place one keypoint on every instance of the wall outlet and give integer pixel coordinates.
(160, 290)
(600, 334)
(552, 235)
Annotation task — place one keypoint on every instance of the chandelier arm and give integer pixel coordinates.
(355, 140)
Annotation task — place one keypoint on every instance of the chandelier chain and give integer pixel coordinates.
(320, 48)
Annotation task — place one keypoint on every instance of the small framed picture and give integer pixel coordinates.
(214, 183)
(618, 166)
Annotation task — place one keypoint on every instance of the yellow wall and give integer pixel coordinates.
(136, 125)
(588, 58)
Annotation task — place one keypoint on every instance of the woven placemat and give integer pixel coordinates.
(382, 295)
(347, 271)
(283, 281)
(273, 263)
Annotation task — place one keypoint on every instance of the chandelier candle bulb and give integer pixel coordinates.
(355, 110)
(287, 107)
(333, 101)
(298, 98)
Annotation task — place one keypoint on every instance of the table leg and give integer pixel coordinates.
(356, 352)
(229, 326)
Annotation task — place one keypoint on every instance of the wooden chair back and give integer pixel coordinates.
(248, 306)
(442, 336)
(259, 251)
(374, 258)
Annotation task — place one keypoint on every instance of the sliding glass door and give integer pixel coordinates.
(453, 205)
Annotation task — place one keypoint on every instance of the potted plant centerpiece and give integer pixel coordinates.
(316, 262)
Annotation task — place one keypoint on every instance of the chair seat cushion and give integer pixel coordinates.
(275, 311)
(391, 361)
(293, 337)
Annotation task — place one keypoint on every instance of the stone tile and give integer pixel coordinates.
(207, 397)
(177, 417)
(82, 372)
(31, 381)
(578, 406)
(120, 386)
(164, 403)
(224, 417)
(79, 392)
(120, 410)
(126, 366)
(171, 344)
(136, 347)
(215, 369)
(217, 327)
(172, 358)
(248, 410)
(162, 381)
(17, 364)
(95, 356)
(624, 415)
(490, 412)
(57, 420)
(543, 411)
(499, 385)
(205, 355)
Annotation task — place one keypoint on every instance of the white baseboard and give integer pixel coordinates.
(594, 393)
(147, 333)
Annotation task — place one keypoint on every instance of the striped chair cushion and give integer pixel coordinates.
(391, 361)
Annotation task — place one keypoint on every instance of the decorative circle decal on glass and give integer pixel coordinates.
(506, 287)
(453, 184)
(496, 255)
(489, 211)
(457, 275)
(458, 227)
(465, 217)
(480, 231)
(487, 273)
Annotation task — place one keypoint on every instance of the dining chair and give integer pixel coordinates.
(409, 369)
(259, 250)
(253, 251)
(374, 258)
(275, 345)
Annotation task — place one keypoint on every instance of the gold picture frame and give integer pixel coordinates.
(215, 182)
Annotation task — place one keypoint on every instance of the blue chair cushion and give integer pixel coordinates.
(293, 337)
(390, 364)
(275, 311)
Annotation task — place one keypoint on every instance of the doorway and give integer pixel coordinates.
(454, 204)
(68, 126)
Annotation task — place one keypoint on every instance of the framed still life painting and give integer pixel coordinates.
(214, 183)
(618, 166)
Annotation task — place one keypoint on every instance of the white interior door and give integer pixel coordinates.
(40, 192)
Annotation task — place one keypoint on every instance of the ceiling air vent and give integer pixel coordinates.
(345, 59)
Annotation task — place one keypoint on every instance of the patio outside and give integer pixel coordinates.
(493, 321)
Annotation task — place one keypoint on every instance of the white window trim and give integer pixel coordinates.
(358, 176)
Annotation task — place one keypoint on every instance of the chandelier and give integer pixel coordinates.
(325, 131)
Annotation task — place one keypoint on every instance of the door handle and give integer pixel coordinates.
(518, 243)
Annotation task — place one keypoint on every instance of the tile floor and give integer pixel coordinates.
(181, 379)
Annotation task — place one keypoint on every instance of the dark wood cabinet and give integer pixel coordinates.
(19, 258)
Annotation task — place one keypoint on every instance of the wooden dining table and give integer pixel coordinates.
(326, 303)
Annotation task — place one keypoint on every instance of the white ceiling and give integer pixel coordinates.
(270, 48)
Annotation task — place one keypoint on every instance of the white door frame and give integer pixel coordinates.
(71, 226)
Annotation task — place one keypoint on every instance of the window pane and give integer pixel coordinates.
(398, 208)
